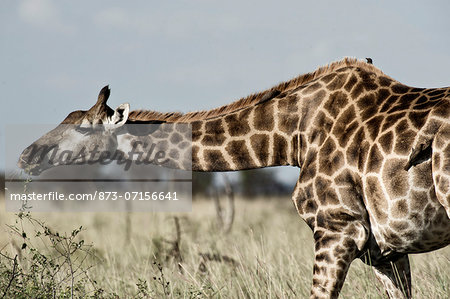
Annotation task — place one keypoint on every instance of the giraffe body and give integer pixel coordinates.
(374, 156)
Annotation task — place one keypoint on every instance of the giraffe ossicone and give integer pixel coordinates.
(374, 158)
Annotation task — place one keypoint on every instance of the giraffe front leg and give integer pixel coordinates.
(340, 232)
(334, 252)
(396, 277)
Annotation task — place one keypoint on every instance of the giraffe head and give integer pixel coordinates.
(78, 135)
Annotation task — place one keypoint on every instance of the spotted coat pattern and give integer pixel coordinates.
(375, 168)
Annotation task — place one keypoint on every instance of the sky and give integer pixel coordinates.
(193, 55)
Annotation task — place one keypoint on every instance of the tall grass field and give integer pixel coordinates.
(267, 254)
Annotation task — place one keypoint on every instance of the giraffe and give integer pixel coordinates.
(373, 153)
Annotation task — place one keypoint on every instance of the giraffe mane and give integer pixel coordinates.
(253, 99)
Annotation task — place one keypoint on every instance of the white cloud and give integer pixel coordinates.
(43, 13)
(37, 11)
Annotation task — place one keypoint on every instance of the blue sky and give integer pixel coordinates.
(198, 54)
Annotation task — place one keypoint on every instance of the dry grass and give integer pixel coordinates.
(268, 254)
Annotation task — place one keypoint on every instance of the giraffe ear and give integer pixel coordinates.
(103, 95)
(120, 115)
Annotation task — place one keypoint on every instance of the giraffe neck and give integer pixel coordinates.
(254, 137)
(258, 136)
(165, 144)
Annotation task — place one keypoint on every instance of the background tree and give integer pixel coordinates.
(202, 183)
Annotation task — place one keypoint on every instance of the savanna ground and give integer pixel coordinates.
(267, 254)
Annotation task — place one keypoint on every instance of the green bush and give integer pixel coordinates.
(57, 268)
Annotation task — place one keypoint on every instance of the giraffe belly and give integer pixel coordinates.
(405, 215)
